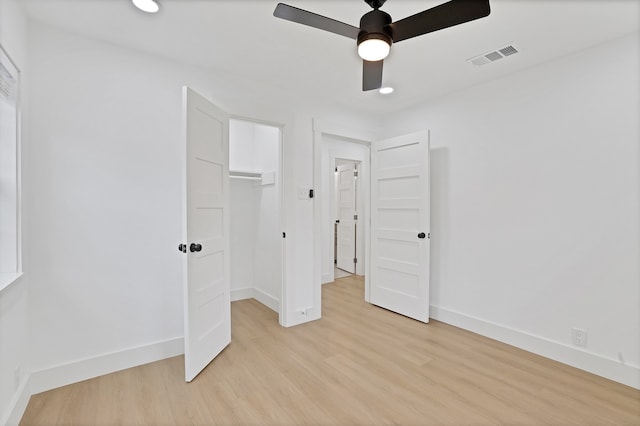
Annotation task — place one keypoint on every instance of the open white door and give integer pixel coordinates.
(207, 305)
(346, 200)
(399, 279)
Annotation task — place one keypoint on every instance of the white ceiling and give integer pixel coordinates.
(241, 37)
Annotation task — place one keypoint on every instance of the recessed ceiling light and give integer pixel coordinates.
(150, 6)
(386, 90)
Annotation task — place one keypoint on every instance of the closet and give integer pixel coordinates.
(255, 152)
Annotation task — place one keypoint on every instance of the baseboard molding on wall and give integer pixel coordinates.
(241, 294)
(267, 300)
(254, 293)
(18, 404)
(593, 363)
(327, 278)
(73, 372)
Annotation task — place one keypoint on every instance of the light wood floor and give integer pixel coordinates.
(359, 365)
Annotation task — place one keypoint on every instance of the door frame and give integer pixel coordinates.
(282, 206)
(321, 128)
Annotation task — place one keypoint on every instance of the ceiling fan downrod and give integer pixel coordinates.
(376, 4)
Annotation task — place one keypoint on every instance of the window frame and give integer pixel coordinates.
(11, 270)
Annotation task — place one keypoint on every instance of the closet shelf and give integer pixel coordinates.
(265, 178)
(244, 175)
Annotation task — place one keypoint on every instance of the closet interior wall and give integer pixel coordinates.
(254, 164)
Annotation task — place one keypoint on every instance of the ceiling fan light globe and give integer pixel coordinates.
(373, 49)
(149, 6)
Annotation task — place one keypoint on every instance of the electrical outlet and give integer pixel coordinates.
(579, 337)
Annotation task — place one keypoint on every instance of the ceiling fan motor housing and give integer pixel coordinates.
(374, 25)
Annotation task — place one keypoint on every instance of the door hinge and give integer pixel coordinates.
(355, 260)
(355, 217)
(355, 173)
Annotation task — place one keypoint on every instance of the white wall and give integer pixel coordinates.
(105, 169)
(535, 207)
(268, 237)
(14, 319)
(242, 221)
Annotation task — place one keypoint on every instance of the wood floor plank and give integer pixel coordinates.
(358, 365)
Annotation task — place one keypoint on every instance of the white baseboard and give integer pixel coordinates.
(266, 299)
(254, 293)
(18, 404)
(593, 363)
(327, 278)
(73, 372)
(241, 294)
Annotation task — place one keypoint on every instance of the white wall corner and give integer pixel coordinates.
(593, 363)
(266, 299)
(242, 294)
(89, 368)
(327, 278)
(18, 403)
(302, 316)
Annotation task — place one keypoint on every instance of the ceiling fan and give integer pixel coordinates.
(378, 32)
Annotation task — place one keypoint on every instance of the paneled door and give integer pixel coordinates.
(207, 305)
(346, 204)
(399, 278)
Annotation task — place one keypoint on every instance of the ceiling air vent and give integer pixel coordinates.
(493, 56)
(508, 51)
(7, 83)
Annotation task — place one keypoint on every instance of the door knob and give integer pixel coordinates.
(182, 248)
(195, 247)
(422, 235)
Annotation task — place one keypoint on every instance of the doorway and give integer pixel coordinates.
(344, 206)
(395, 179)
(256, 259)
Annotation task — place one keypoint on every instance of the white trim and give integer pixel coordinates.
(89, 368)
(609, 368)
(18, 404)
(242, 294)
(8, 279)
(328, 278)
(266, 299)
(253, 293)
(16, 270)
(316, 309)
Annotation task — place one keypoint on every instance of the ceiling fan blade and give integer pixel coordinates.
(314, 20)
(443, 16)
(371, 75)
